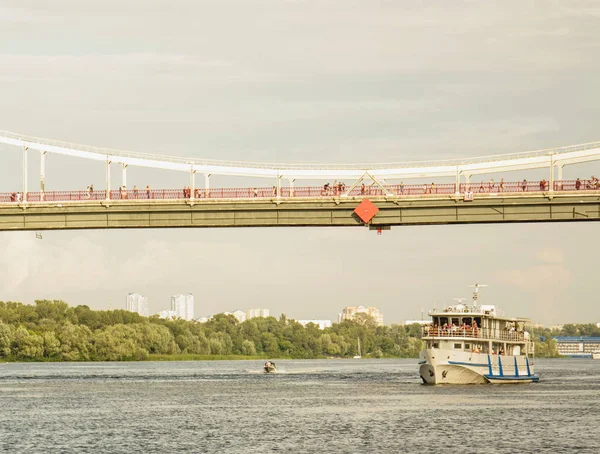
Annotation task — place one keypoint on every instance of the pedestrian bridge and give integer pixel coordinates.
(281, 203)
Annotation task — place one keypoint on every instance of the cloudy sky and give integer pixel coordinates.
(301, 81)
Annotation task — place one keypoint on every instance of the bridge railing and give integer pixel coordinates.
(421, 189)
(528, 186)
(400, 190)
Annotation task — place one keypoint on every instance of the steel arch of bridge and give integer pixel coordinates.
(548, 158)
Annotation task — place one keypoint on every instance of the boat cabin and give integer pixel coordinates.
(477, 329)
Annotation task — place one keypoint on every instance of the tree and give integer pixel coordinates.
(74, 342)
(248, 348)
(156, 339)
(51, 345)
(365, 320)
(6, 339)
(28, 345)
(269, 344)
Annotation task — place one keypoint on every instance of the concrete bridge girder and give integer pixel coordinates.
(324, 212)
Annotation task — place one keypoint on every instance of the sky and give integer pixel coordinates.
(301, 81)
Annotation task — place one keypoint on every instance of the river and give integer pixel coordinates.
(324, 406)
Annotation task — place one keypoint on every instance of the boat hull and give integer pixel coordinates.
(269, 370)
(453, 367)
(450, 375)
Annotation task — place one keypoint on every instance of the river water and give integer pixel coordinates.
(329, 406)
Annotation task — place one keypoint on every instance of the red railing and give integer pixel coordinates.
(421, 189)
(479, 333)
(305, 191)
(528, 186)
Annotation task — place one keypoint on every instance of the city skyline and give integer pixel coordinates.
(377, 83)
(138, 300)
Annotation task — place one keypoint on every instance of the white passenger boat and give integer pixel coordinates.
(474, 344)
(596, 354)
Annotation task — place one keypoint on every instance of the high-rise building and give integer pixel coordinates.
(349, 313)
(253, 313)
(138, 303)
(183, 306)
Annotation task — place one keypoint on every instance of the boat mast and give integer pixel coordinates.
(476, 292)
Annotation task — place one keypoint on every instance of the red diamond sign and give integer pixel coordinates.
(366, 210)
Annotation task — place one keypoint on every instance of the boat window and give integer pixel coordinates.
(478, 321)
(443, 321)
(436, 345)
(458, 346)
(467, 321)
(467, 346)
(455, 321)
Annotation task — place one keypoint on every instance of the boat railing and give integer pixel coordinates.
(474, 333)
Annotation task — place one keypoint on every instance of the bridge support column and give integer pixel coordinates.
(206, 184)
(467, 183)
(278, 186)
(124, 175)
(551, 173)
(192, 183)
(457, 183)
(291, 187)
(42, 175)
(24, 174)
(559, 177)
(107, 179)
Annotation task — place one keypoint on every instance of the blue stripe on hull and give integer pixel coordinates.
(533, 378)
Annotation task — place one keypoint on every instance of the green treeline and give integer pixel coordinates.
(53, 331)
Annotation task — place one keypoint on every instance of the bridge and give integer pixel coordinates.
(377, 197)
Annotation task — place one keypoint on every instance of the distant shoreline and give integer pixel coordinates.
(184, 357)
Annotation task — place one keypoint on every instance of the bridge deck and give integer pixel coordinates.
(323, 211)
